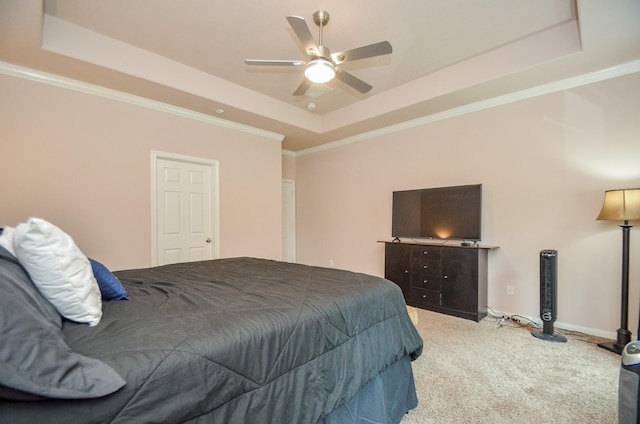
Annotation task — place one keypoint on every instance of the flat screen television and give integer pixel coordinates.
(446, 213)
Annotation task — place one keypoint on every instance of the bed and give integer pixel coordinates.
(237, 340)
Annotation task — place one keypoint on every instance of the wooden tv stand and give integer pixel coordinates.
(443, 278)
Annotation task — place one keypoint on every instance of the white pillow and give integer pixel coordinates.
(59, 270)
(6, 239)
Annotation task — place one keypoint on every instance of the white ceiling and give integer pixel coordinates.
(446, 53)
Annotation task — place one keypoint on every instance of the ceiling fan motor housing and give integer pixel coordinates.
(322, 66)
(323, 52)
(321, 17)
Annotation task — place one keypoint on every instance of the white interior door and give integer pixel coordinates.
(185, 210)
(288, 221)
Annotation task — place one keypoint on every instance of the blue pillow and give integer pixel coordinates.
(110, 287)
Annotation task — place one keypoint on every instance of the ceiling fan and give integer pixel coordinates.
(323, 65)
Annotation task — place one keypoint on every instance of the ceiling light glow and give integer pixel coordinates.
(320, 71)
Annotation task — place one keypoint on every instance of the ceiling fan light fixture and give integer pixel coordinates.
(322, 66)
(320, 70)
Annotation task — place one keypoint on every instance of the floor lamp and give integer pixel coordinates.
(622, 205)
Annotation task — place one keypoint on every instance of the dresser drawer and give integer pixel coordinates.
(425, 252)
(426, 275)
(425, 298)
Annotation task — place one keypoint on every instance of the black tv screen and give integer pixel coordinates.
(438, 213)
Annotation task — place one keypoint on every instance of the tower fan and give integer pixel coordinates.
(548, 296)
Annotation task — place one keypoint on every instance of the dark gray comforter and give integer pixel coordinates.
(237, 340)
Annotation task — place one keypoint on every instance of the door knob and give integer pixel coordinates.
(208, 240)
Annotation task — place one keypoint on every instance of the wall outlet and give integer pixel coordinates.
(331, 263)
(511, 290)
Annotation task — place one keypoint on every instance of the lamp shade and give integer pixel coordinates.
(320, 71)
(621, 205)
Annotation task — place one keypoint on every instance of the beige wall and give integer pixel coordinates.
(83, 162)
(288, 167)
(544, 164)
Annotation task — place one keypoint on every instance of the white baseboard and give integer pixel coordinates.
(593, 332)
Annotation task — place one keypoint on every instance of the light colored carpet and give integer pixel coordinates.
(496, 373)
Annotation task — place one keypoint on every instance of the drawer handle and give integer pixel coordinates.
(424, 267)
(406, 271)
(425, 252)
(424, 296)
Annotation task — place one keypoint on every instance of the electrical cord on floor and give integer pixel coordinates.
(520, 321)
(513, 321)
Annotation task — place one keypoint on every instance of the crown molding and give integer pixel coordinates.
(556, 86)
(568, 83)
(289, 153)
(83, 87)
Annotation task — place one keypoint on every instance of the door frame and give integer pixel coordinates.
(215, 200)
(292, 216)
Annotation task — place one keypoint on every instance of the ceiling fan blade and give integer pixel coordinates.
(353, 82)
(372, 50)
(302, 88)
(274, 62)
(303, 33)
